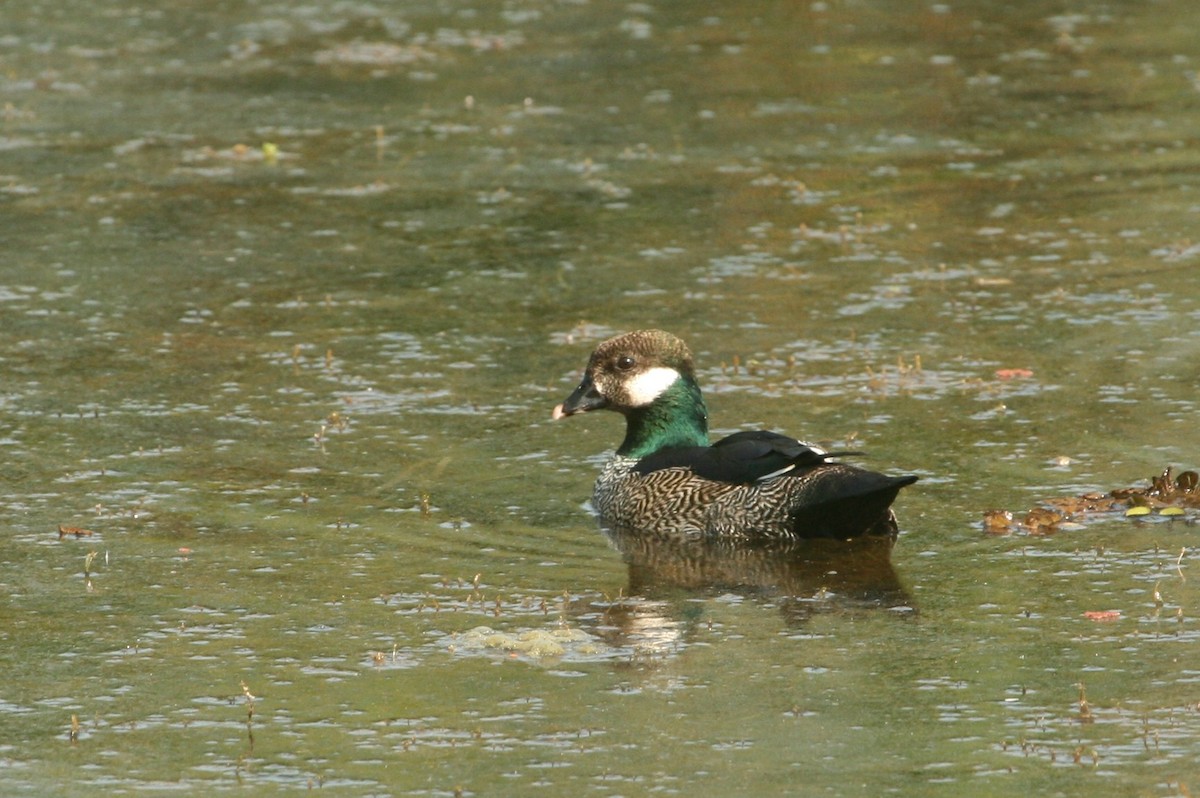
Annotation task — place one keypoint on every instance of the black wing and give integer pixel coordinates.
(742, 457)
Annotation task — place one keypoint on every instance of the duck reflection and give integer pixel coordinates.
(802, 578)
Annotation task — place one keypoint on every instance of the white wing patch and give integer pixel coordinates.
(649, 385)
(778, 473)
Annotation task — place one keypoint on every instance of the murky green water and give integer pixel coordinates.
(288, 292)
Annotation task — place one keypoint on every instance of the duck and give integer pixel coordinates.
(667, 479)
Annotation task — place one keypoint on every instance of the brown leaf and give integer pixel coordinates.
(1102, 615)
(997, 522)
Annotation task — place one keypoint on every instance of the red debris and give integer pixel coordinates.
(1102, 615)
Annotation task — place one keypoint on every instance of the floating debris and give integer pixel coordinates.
(1166, 497)
(537, 644)
(1102, 615)
(79, 532)
(997, 522)
(268, 153)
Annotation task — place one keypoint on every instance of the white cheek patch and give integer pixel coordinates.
(649, 385)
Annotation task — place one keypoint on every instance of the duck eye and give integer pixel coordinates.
(625, 362)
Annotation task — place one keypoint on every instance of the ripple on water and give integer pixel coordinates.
(860, 371)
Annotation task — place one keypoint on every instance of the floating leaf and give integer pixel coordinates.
(997, 522)
(1162, 483)
(1102, 615)
(1171, 511)
(1042, 521)
(1141, 509)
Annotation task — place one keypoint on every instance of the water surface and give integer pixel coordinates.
(289, 291)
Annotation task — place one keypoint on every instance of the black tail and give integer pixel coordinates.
(854, 503)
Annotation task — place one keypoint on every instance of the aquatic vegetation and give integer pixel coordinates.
(1166, 498)
(537, 644)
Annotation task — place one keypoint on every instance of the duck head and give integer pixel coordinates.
(648, 377)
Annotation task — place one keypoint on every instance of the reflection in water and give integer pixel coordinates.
(802, 578)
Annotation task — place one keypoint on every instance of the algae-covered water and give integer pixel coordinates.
(288, 292)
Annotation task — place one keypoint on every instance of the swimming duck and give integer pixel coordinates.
(666, 479)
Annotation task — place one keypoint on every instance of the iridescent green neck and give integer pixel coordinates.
(677, 418)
